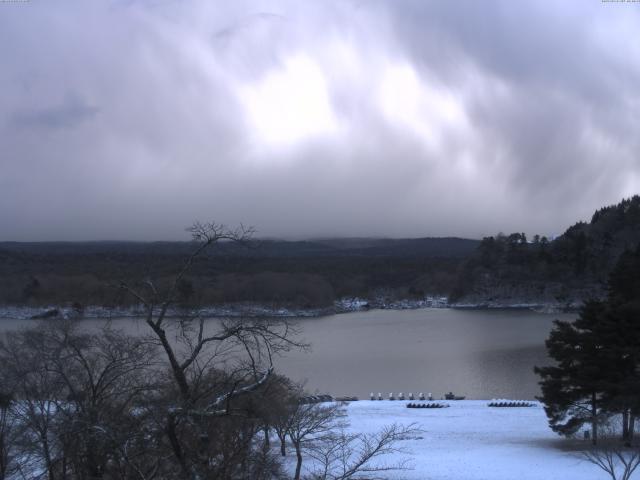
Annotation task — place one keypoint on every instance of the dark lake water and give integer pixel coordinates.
(481, 354)
(477, 353)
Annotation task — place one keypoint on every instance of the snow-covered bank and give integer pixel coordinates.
(549, 308)
(471, 441)
(343, 305)
(97, 312)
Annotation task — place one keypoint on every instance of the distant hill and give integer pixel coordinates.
(501, 270)
(433, 247)
(512, 269)
(311, 273)
(430, 247)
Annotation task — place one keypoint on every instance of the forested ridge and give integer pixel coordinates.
(509, 269)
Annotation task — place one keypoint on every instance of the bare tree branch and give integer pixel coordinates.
(350, 456)
(612, 456)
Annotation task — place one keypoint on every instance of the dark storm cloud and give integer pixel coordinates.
(66, 115)
(130, 119)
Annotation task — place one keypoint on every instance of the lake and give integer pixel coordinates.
(480, 354)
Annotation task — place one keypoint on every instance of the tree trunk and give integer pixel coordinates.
(625, 426)
(632, 427)
(47, 456)
(4, 456)
(3, 459)
(175, 444)
(63, 473)
(299, 461)
(267, 440)
(178, 372)
(92, 457)
(283, 445)
(594, 419)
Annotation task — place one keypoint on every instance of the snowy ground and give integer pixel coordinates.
(471, 441)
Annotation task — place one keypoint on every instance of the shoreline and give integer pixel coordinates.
(347, 305)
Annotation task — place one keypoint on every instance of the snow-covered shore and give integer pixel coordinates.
(344, 305)
(471, 441)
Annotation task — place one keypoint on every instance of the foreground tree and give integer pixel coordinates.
(7, 434)
(74, 398)
(345, 456)
(597, 371)
(618, 461)
(622, 339)
(212, 365)
(310, 425)
(572, 390)
(95, 405)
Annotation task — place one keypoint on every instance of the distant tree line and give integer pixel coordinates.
(274, 275)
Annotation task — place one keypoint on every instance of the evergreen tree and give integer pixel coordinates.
(621, 337)
(573, 389)
(598, 358)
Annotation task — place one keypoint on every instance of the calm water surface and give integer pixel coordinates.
(477, 353)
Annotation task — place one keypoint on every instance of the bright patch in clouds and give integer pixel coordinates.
(290, 104)
(412, 104)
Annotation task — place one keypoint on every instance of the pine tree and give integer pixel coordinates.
(597, 371)
(573, 389)
(621, 337)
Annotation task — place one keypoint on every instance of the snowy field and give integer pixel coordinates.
(471, 441)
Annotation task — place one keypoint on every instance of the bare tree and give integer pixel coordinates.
(106, 375)
(280, 414)
(76, 398)
(345, 456)
(615, 457)
(319, 432)
(7, 434)
(271, 404)
(24, 367)
(310, 425)
(240, 352)
(618, 461)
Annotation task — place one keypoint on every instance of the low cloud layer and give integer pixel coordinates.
(131, 119)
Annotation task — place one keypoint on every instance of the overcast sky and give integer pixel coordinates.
(130, 119)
